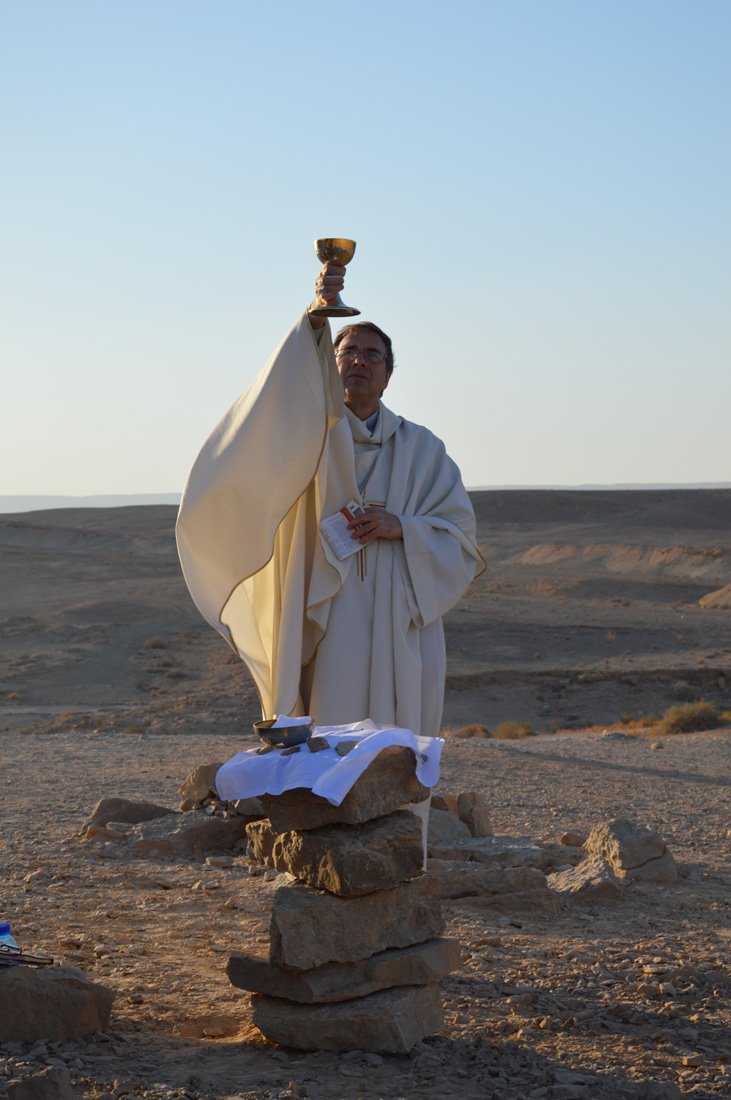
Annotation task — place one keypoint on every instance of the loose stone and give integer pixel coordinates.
(390, 1022)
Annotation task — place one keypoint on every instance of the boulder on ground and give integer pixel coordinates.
(52, 1083)
(591, 880)
(390, 1022)
(388, 783)
(185, 836)
(511, 887)
(309, 928)
(500, 851)
(444, 828)
(54, 1002)
(661, 872)
(199, 785)
(419, 964)
(633, 851)
(348, 860)
(124, 809)
(472, 809)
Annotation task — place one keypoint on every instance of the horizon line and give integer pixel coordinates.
(31, 502)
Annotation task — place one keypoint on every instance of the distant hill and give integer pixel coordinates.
(618, 487)
(118, 500)
(592, 605)
(10, 503)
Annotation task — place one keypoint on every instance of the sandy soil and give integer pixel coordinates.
(580, 1001)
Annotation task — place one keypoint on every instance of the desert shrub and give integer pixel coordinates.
(689, 717)
(513, 731)
(726, 717)
(475, 729)
(685, 691)
(155, 643)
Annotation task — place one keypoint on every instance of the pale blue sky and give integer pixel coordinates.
(539, 192)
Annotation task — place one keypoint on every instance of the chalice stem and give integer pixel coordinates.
(335, 250)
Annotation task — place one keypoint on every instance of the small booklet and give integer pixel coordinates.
(339, 536)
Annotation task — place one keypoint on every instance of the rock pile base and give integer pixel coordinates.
(391, 1022)
(347, 861)
(355, 945)
(419, 964)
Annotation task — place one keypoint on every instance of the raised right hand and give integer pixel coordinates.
(328, 285)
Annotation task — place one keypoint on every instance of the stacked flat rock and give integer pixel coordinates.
(355, 951)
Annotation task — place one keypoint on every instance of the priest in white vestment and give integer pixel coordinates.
(340, 640)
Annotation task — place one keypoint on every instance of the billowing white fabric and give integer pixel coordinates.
(320, 637)
(326, 774)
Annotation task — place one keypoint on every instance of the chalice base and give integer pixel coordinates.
(335, 309)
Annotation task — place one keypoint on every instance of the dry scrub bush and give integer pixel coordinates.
(155, 643)
(689, 717)
(475, 729)
(685, 691)
(513, 731)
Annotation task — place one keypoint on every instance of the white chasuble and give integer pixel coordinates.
(340, 640)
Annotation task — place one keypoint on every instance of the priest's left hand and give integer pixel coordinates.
(377, 523)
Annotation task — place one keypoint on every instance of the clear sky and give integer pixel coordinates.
(539, 189)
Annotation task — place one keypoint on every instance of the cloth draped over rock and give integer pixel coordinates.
(341, 640)
(325, 773)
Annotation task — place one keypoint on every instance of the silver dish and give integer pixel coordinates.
(284, 736)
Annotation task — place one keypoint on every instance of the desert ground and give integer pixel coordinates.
(595, 607)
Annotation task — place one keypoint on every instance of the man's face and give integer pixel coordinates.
(361, 359)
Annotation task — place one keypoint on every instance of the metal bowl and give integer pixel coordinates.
(282, 735)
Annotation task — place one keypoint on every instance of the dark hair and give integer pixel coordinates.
(390, 363)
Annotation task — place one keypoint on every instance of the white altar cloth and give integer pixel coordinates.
(248, 774)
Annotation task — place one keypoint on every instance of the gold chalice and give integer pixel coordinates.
(335, 250)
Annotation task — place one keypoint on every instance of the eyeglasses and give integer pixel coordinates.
(372, 356)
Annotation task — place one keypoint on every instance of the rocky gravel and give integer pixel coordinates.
(610, 999)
